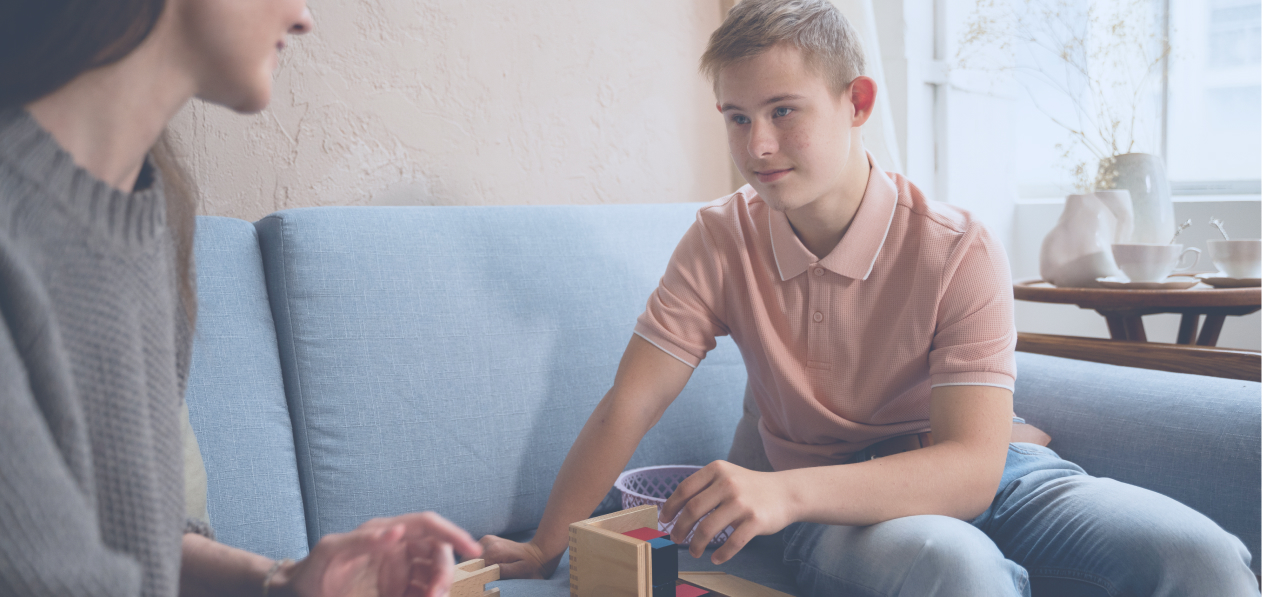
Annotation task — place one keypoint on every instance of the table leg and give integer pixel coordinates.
(1209, 332)
(1135, 328)
(1117, 326)
(1187, 328)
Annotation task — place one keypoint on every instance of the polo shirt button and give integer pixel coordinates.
(819, 271)
(818, 317)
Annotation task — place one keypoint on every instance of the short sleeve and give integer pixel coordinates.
(975, 339)
(683, 315)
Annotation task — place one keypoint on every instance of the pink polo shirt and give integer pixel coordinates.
(842, 351)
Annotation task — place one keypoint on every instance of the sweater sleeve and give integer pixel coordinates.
(50, 542)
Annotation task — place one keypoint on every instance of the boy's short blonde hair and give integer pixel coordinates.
(829, 45)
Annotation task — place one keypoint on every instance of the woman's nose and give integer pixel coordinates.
(304, 24)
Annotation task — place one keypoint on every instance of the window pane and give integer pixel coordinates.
(1216, 90)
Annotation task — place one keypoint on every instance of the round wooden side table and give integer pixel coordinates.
(1124, 309)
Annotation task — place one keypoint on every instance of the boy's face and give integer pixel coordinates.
(789, 134)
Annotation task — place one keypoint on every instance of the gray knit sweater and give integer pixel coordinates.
(94, 351)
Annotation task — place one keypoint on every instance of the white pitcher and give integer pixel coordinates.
(1145, 178)
(1079, 249)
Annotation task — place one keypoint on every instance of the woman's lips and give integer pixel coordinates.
(772, 175)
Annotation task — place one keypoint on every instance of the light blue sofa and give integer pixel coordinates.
(360, 362)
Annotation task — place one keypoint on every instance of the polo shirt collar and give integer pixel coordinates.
(856, 254)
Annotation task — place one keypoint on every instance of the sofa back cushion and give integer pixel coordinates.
(236, 398)
(1193, 438)
(445, 358)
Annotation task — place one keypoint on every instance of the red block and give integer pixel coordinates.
(689, 591)
(645, 534)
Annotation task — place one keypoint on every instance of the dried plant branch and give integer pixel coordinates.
(1108, 54)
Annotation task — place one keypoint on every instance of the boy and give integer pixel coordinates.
(866, 316)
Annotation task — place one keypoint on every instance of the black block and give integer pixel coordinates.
(665, 563)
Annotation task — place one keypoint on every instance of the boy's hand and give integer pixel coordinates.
(752, 503)
(516, 560)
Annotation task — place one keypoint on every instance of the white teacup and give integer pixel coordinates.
(1237, 258)
(1152, 263)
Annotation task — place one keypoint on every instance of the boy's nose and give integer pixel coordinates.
(762, 142)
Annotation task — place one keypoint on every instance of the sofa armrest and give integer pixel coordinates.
(1193, 438)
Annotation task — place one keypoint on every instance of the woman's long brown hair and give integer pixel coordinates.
(46, 43)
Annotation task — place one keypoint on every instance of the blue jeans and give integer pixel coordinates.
(1051, 530)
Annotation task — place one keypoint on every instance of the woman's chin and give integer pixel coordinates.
(246, 102)
(255, 105)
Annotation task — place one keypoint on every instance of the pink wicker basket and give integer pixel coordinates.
(652, 485)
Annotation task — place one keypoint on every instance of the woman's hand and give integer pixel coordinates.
(516, 560)
(408, 555)
(753, 503)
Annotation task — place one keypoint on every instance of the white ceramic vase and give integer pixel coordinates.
(1079, 248)
(1145, 178)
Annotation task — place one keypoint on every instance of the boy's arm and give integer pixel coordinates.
(957, 476)
(648, 380)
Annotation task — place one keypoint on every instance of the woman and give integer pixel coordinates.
(97, 303)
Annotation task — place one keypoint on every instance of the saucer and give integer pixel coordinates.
(1220, 280)
(1170, 283)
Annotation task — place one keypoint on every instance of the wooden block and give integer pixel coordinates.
(607, 563)
(471, 579)
(626, 520)
(729, 585)
(471, 565)
(604, 562)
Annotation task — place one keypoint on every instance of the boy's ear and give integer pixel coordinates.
(862, 91)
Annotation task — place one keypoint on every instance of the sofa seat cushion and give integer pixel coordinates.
(445, 358)
(236, 398)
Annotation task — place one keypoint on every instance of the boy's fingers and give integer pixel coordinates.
(713, 524)
(520, 569)
(684, 492)
(692, 512)
(737, 541)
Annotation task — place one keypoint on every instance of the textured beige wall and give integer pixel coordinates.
(473, 102)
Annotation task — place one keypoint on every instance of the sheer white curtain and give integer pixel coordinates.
(878, 133)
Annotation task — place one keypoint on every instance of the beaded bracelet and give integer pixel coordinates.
(267, 578)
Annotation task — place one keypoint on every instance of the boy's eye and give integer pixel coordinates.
(782, 112)
(740, 119)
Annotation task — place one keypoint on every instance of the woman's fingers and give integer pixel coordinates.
(428, 525)
(439, 571)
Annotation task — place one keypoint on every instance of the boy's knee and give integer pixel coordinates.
(1191, 556)
(1205, 556)
(918, 555)
(960, 556)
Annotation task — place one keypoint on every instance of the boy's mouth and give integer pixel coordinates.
(767, 176)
